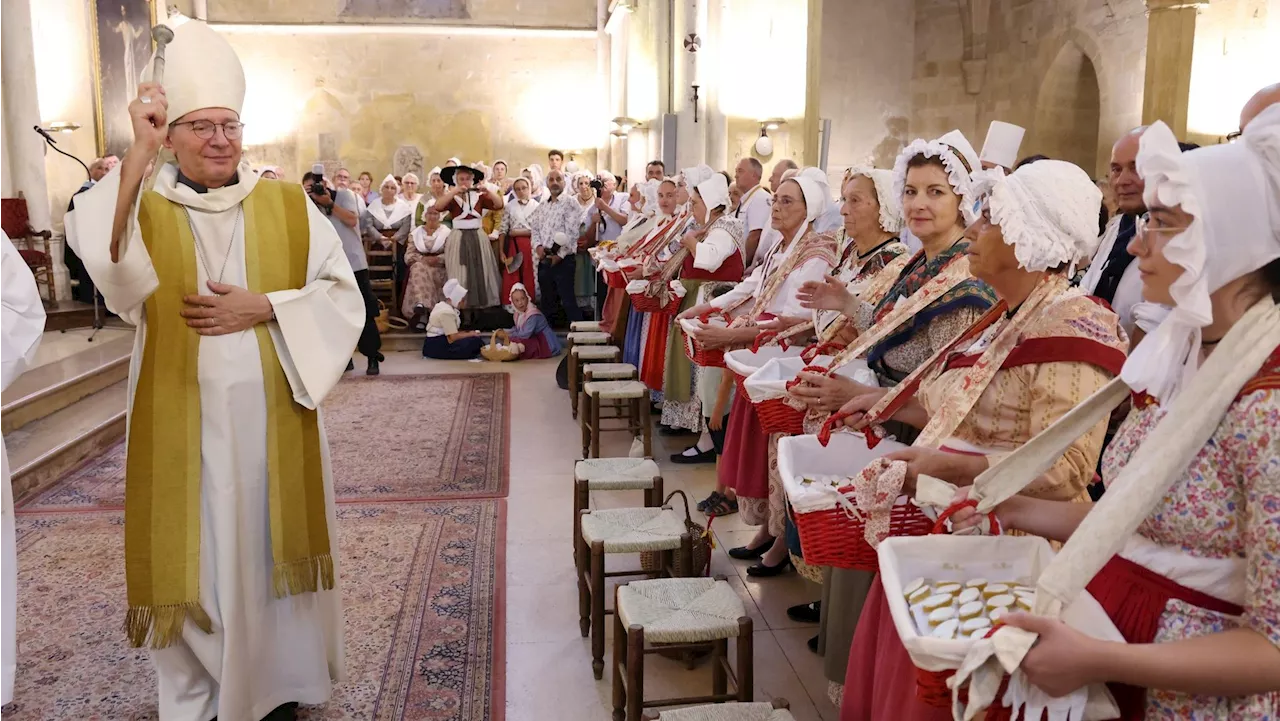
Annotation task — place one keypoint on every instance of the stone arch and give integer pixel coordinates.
(1069, 109)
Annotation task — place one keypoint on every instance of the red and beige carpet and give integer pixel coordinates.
(421, 471)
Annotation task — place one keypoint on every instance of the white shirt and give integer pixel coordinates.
(785, 302)
(714, 250)
(1128, 290)
(754, 210)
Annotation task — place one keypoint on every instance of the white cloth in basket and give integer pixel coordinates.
(771, 380)
(745, 361)
(830, 467)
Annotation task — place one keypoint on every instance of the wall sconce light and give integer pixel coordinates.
(619, 134)
(625, 124)
(764, 145)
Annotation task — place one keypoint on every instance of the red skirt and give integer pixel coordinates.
(525, 273)
(654, 361)
(1135, 598)
(613, 307)
(744, 465)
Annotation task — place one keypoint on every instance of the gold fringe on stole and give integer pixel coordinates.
(162, 489)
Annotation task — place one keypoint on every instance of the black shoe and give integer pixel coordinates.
(283, 712)
(373, 367)
(699, 457)
(813, 644)
(381, 357)
(709, 501)
(742, 553)
(762, 571)
(351, 365)
(673, 431)
(806, 612)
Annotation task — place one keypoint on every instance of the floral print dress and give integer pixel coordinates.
(1225, 506)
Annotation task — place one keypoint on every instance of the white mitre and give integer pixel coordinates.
(1002, 144)
(201, 70)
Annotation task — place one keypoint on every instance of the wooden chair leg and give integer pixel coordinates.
(746, 672)
(619, 663)
(584, 423)
(597, 609)
(635, 672)
(594, 404)
(581, 502)
(719, 674)
(646, 428)
(686, 556)
(584, 592)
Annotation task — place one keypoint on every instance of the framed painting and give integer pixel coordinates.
(121, 49)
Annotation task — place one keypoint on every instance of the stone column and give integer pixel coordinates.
(25, 148)
(813, 81)
(1171, 36)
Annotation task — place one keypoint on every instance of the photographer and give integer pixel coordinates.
(342, 207)
(607, 217)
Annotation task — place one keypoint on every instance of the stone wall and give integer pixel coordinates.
(1021, 84)
(866, 71)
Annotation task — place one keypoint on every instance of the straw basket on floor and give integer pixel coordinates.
(385, 322)
(492, 352)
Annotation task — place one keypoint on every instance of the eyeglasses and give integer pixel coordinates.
(204, 129)
(1234, 135)
(1146, 224)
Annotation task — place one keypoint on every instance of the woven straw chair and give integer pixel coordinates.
(776, 710)
(623, 530)
(628, 400)
(613, 474)
(682, 614)
(580, 355)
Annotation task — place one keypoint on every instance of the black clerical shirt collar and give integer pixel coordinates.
(202, 189)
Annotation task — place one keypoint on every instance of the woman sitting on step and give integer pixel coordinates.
(445, 341)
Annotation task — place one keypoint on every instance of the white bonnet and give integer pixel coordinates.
(390, 178)
(959, 159)
(434, 171)
(454, 291)
(1048, 211)
(714, 191)
(890, 203)
(693, 177)
(649, 191)
(1231, 193)
(815, 195)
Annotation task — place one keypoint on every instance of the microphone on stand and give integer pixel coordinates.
(45, 134)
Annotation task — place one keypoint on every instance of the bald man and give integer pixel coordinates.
(780, 171)
(753, 210)
(1260, 101)
(1112, 275)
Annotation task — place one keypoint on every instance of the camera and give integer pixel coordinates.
(317, 182)
(597, 186)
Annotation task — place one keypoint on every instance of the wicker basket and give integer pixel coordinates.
(492, 352)
(644, 303)
(651, 561)
(833, 538)
(705, 357)
(777, 416)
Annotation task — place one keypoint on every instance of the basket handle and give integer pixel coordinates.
(807, 369)
(764, 338)
(688, 516)
(815, 350)
(829, 425)
(940, 525)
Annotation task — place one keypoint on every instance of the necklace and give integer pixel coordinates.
(231, 242)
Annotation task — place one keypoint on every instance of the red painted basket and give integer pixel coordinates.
(705, 357)
(648, 304)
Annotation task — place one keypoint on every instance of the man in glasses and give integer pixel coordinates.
(247, 313)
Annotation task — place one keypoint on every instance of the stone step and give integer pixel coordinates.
(47, 389)
(43, 450)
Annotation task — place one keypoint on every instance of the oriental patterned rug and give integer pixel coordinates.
(391, 438)
(422, 587)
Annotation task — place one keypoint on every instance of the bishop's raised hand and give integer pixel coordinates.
(149, 114)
